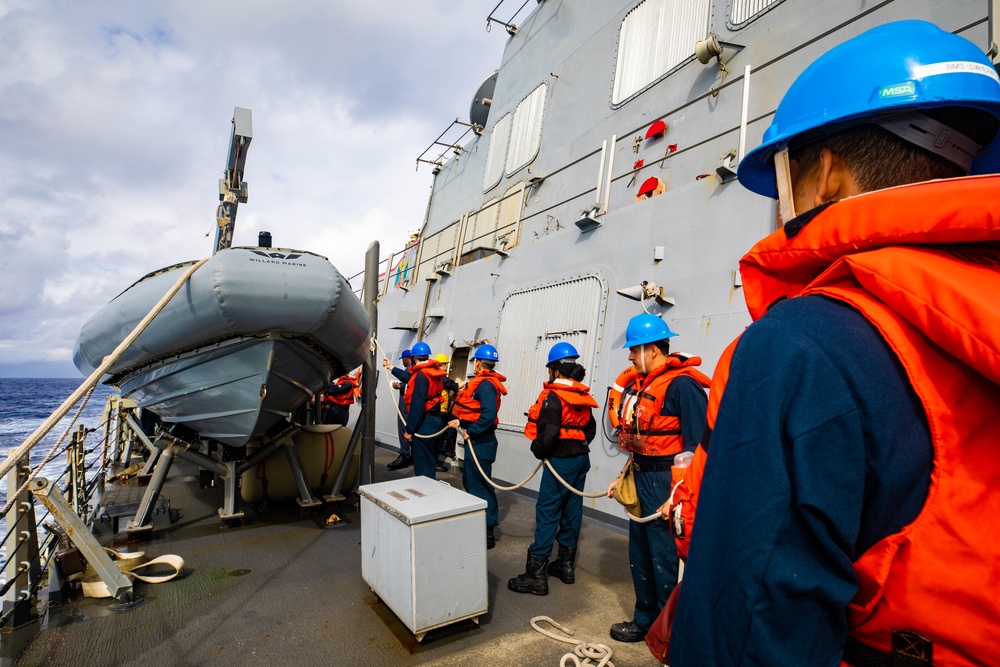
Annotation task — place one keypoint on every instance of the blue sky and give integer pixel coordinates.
(115, 124)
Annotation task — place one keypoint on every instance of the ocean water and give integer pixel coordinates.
(27, 402)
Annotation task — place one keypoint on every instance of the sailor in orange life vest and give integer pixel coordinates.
(661, 413)
(560, 426)
(475, 409)
(423, 409)
(402, 375)
(852, 484)
(337, 399)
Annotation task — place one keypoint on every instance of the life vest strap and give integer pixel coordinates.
(653, 466)
(631, 430)
(908, 650)
(563, 428)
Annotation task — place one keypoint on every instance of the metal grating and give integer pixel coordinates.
(655, 37)
(526, 131)
(535, 319)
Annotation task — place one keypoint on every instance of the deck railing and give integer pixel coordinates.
(37, 530)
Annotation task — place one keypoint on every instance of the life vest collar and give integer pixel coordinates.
(956, 210)
(930, 251)
(496, 379)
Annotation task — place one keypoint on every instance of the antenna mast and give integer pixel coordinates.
(232, 188)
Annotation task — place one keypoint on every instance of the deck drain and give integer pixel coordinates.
(239, 573)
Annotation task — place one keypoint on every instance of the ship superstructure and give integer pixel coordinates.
(601, 183)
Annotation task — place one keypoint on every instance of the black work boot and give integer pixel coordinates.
(627, 632)
(534, 580)
(400, 462)
(564, 566)
(491, 540)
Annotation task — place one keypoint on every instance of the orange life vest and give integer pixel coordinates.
(643, 428)
(431, 370)
(687, 481)
(467, 408)
(345, 398)
(356, 378)
(922, 264)
(576, 402)
(623, 380)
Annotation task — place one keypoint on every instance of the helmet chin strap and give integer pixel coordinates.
(934, 137)
(642, 356)
(783, 180)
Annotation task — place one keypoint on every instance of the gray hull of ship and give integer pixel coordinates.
(557, 280)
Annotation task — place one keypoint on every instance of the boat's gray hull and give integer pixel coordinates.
(231, 391)
(254, 333)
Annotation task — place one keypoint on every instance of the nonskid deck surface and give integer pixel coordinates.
(282, 590)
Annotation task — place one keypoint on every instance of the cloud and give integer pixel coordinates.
(115, 127)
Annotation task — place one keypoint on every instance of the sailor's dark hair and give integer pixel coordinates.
(569, 369)
(662, 345)
(879, 159)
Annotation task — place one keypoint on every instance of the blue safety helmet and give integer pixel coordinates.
(897, 67)
(405, 354)
(561, 351)
(646, 328)
(486, 352)
(421, 349)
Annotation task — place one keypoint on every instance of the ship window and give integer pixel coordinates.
(526, 130)
(654, 38)
(499, 137)
(535, 319)
(741, 11)
(437, 252)
(479, 230)
(493, 226)
(508, 217)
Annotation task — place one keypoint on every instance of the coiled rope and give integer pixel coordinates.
(475, 458)
(581, 650)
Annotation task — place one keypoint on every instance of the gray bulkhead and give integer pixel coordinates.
(554, 281)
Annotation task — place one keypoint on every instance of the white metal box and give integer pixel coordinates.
(423, 551)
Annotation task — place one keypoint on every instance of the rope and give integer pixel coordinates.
(581, 649)
(598, 494)
(552, 470)
(12, 498)
(91, 381)
(388, 383)
(475, 458)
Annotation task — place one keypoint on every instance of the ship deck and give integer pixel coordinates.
(284, 589)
